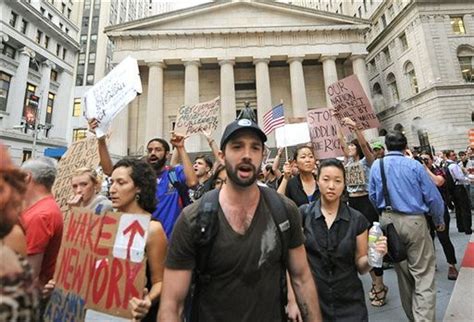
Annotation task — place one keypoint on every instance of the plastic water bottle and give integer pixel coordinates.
(375, 258)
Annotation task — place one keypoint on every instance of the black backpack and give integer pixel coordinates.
(206, 228)
(450, 183)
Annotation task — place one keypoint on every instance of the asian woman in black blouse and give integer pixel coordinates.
(302, 188)
(337, 245)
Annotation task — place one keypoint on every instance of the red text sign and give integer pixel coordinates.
(88, 275)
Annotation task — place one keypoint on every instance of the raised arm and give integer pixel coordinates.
(174, 158)
(286, 177)
(276, 163)
(369, 155)
(178, 142)
(213, 145)
(105, 160)
(303, 284)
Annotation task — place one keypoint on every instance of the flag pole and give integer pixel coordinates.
(286, 148)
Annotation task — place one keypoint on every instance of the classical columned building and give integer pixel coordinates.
(261, 52)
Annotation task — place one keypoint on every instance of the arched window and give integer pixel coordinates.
(411, 76)
(377, 98)
(466, 62)
(392, 87)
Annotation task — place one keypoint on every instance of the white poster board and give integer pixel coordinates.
(111, 94)
(292, 134)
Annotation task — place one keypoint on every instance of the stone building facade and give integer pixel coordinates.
(421, 70)
(38, 53)
(257, 51)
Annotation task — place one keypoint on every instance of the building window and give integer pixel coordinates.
(403, 41)
(457, 24)
(76, 110)
(61, 25)
(384, 21)
(42, 10)
(39, 36)
(4, 88)
(24, 26)
(58, 49)
(49, 108)
(79, 80)
(410, 72)
(390, 11)
(66, 30)
(31, 105)
(365, 5)
(69, 13)
(46, 42)
(466, 63)
(79, 134)
(91, 58)
(63, 8)
(54, 75)
(64, 53)
(50, 17)
(386, 53)
(360, 12)
(392, 87)
(8, 51)
(90, 79)
(340, 9)
(372, 66)
(13, 19)
(82, 59)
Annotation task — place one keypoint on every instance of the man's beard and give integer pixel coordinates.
(158, 165)
(233, 176)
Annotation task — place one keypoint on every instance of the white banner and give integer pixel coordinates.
(112, 93)
(292, 134)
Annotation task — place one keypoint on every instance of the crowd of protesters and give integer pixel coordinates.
(300, 216)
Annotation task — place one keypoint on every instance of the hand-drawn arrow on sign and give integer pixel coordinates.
(133, 229)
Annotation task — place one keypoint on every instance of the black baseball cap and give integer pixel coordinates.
(238, 125)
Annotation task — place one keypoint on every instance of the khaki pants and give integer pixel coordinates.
(416, 275)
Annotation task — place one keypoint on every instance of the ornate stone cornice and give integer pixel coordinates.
(191, 62)
(226, 61)
(295, 59)
(261, 60)
(325, 57)
(157, 63)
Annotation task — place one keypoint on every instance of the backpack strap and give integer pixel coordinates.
(279, 213)
(206, 228)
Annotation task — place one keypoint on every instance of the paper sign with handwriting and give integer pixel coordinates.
(112, 93)
(349, 99)
(88, 275)
(199, 118)
(323, 133)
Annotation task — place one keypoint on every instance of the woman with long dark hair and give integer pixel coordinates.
(302, 188)
(337, 245)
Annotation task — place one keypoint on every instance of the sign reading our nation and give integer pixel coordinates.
(83, 153)
(101, 265)
(112, 93)
(348, 99)
(199, 118)
(323, 133)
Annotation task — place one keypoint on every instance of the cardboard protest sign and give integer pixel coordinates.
(199, 118)
(292, 134)
(355, 175)
(323, 133)
(471, 138)
(88, 273)
(112, 93)
(349, 100)
(83, 153)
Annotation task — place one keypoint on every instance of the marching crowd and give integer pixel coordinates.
(238, 239)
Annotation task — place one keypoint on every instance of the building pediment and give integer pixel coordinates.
(239, 16)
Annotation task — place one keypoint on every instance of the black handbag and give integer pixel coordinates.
(397, 251)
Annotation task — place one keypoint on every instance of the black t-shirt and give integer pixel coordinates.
(295, 191)
(245, 269)
(331, 256)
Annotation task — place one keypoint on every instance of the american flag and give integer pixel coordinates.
(273, 119)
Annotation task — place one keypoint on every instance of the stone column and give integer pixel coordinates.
(16, 93)
(43, 90)
(264, 95)
(360, 69)
(63, 106)
(298, 88)
(191, 97)
(228, 110)
(154, 107)
(329, 72)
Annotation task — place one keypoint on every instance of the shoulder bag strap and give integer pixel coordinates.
(386, 196)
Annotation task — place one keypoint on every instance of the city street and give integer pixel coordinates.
(393, 310)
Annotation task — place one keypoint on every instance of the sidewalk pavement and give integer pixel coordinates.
(393, 311)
